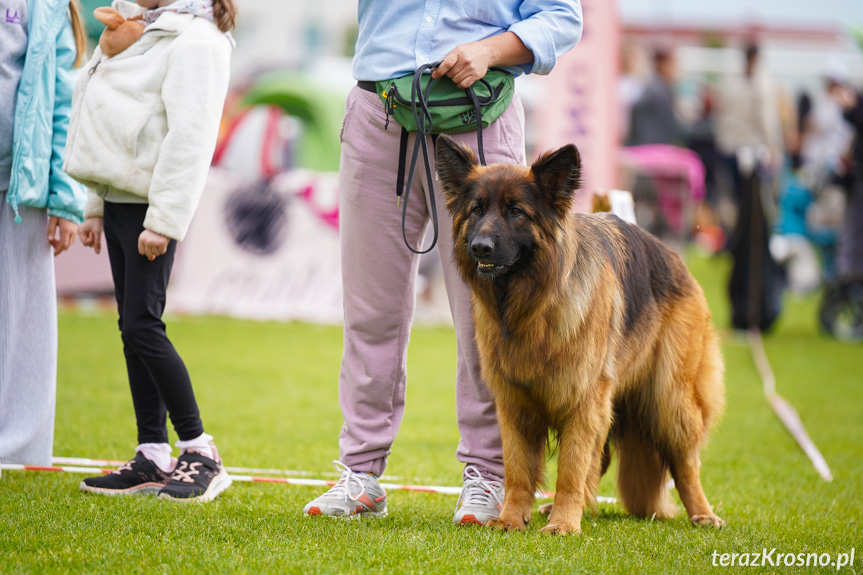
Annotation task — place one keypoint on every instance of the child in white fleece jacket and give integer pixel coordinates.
(141, 137)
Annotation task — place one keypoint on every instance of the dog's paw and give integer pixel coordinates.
(505, 525)
(561, 529)
(545, 508)
(707, 521)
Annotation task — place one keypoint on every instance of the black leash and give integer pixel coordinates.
(425, 125)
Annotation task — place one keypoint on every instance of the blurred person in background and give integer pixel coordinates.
(701, 139)
(749, 136)
(629, 86)
(653, 119)
(850, 262)
(813, 186)
(747, 120)
(379, 273)
(826, 135)
(40, 209)
(803, 107)
(842, 310)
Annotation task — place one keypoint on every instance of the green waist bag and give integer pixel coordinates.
(441, 106)
(430, 107)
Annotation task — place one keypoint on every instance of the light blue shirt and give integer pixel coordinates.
(398, 36)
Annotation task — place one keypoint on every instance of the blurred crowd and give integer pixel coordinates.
(783, 177)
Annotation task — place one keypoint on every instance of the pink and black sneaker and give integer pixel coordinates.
(138, 476)
(196, 478)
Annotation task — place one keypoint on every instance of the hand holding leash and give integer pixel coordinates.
(465, 64)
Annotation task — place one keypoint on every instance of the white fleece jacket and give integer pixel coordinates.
(145, 121)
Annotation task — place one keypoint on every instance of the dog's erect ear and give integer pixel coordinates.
(453, 162)
(558, 176)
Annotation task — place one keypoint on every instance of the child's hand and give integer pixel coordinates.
(61, 234)
(152, 245)
(90, 233)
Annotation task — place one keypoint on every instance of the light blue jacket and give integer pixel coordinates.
(42, 112)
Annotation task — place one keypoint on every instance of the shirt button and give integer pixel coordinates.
(428, 18)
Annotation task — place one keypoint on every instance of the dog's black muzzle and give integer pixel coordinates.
(489, 260)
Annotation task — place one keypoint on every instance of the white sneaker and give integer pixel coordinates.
(357, 494)
(480, 499)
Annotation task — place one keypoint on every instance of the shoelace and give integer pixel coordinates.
(477, 490)
(343, 487)
(185, 471)
(125, 467)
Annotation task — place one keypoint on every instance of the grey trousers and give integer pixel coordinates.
(28, 337)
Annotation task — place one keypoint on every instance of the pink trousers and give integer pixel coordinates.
(379, 275)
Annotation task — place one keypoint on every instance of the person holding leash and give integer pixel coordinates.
(397, 37)
(40, 209)
(142, 136)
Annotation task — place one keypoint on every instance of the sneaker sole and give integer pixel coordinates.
(217, 486)
(143, 489)
(316, 512)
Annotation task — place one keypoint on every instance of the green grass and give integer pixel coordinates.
(268, 393)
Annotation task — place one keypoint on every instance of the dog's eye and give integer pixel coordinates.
(476, 210)
(515, 211)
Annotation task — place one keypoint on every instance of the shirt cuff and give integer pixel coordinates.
(536, 37)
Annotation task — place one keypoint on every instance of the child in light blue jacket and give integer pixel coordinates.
(40, 209)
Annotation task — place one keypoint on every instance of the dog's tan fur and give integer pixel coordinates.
(596, 332)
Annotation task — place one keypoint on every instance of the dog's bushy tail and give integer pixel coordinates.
(642, 476)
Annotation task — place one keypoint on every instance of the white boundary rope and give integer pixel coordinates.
(784, 410)
(447, 490)
(85, 461)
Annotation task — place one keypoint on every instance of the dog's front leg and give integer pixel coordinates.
(580, 444)
(522, 441)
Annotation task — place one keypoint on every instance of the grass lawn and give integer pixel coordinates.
(268, 394)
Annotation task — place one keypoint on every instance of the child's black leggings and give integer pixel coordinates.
(157, 375)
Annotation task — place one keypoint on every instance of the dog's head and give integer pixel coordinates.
(502, 212)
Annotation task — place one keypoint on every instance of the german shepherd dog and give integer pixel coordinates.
(587, 326)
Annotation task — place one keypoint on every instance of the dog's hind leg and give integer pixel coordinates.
(641, 474)
(691, 396)
(684, 469)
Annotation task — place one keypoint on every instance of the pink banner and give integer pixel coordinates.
(578, 101)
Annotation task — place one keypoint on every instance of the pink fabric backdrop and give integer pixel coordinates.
(578, 101)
